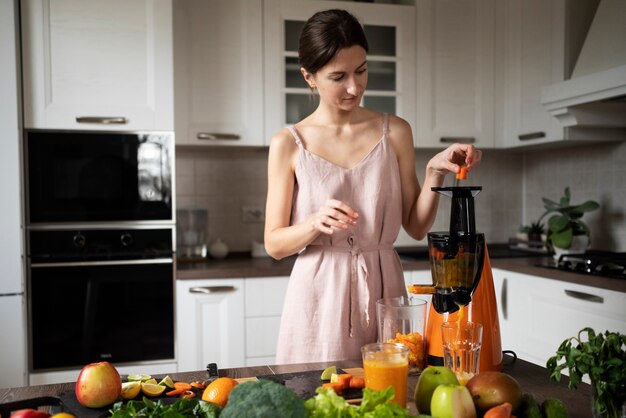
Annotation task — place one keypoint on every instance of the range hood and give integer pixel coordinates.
(595, 95)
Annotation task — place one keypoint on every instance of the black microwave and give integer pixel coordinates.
(93, 176)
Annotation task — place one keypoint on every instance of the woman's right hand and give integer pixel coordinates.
(334, 215)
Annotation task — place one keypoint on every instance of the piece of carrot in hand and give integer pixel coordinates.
(462, 174)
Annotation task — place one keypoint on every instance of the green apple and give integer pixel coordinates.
(431, 377)
(452, 401)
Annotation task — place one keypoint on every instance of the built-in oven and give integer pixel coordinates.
(100, 239)
(100, 294)
(74, 176)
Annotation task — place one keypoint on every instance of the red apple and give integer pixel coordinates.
(29, 413)
(98, 385)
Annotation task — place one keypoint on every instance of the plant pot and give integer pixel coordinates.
(612, 404)
(579, 246)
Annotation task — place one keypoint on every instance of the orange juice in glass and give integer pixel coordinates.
(387, 364)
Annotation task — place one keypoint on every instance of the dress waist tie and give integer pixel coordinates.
(359, 291)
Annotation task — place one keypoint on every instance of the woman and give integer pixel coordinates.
(341, 182)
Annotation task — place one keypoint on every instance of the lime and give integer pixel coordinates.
(138, 377)
(152, 389)
(152, 381)
(130, 390)
(167, 382)
(328, 372)
(334, 377)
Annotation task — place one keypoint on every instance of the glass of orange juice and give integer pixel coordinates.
(384, 365)
(461, 348)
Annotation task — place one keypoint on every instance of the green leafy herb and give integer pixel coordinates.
(375, 404)
(603, 358)
(182, 408)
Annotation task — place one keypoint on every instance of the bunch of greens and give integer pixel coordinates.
(603, 358)
(375, 404)
(160, 409)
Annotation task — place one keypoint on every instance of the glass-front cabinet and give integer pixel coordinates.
(390, 31)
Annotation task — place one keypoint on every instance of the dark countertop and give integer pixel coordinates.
(241, 265)
(532, 379)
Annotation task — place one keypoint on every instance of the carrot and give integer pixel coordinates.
(182, 385)
(188, 394)
(198, 385)
(462, 174)
(357, 383)
(344, 379)
(501, 411)
(174, 392)
(336, 386)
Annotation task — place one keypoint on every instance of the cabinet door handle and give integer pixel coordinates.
(503, 299)
(584, 296)
(103, 120)
(211, 136)
(459, 139)
(212, 289)
(531, 135)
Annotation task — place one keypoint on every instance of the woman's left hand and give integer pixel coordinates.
(454, 157)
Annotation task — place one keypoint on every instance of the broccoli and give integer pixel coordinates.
(263, 398)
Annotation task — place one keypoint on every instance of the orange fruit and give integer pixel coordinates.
(218, 390)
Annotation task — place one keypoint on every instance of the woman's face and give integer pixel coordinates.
(341, 82)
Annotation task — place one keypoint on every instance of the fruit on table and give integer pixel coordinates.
(328, 372)
(554, 408)
(491, 389)
(501, 411)
(452, 401)
(152, 389)
(29, 413)
(218, 390)
(529, 407)
(431, 377)
(130, 390)
(167, 382)
(62, 415)
(139, 377)
(98, 385)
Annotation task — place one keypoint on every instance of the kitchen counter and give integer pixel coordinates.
(242, 265)
(533, 379)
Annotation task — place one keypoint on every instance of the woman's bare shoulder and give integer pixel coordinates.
(283, 146)
(400, 132)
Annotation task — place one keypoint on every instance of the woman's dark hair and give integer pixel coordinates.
(326, 33)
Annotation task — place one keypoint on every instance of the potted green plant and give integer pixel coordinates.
(602, 357)
(566, 222)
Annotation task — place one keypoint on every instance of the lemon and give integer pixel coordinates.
(138, 377)
(152, 389)
(328, 372)
(167, 382)
(151, 381)
(63, 415)
(130, 390)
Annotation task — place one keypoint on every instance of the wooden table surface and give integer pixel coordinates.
(532, 378)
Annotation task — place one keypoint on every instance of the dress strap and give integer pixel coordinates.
(385, 124)
(293, 131)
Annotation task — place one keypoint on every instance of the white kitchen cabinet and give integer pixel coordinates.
(536, 314)
(390, 30)
(210, 323)
(534, 57)
(455, 73)
(104, 64)
(218, 72)
(264, 298)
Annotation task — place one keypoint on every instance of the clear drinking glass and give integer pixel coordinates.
(461, 348)
(402, 320)
(384, 365)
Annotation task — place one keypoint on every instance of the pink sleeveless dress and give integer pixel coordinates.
(330, 306)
